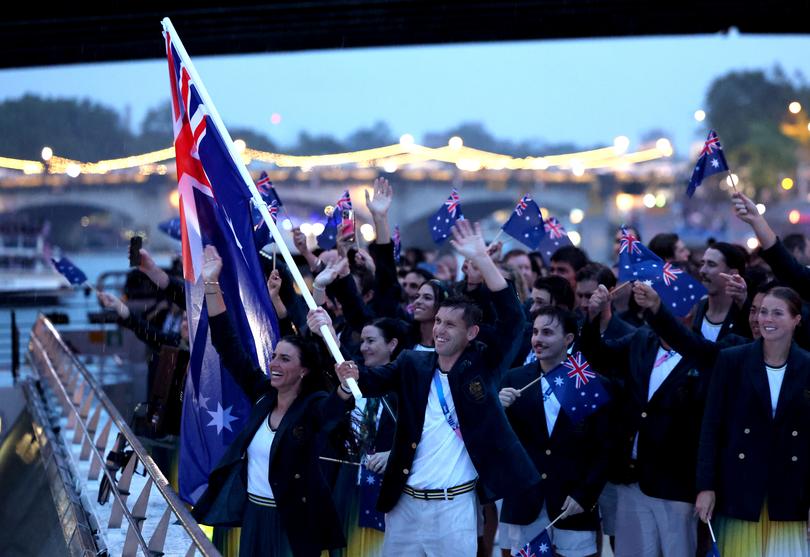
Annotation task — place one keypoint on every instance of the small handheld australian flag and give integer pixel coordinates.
(369, 516)
(679, 291)
(71, 272)
(711, 161)
(526, 224)
(578, 389)
(554, 238)
(445, 218)
(540, 545)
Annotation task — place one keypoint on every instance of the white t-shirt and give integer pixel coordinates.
(709, 330)
(551, 406)
(423, 348)
(775, 377)
(441, 460)
(666, 360)
(259, 461)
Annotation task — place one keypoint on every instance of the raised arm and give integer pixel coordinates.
(223, 335)
(607, 356)
(145, 331)
(683, 340)
(378, 207)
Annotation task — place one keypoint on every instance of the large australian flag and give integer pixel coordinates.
(214, 200)
(711, 161)
(679, 290)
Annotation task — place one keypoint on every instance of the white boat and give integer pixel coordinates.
(26, 273)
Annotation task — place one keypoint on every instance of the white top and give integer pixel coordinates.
(423, 348)
(709, 330)
(551, 405)
(775, 377)
(666, 360)
(441, 460)
(259, 461)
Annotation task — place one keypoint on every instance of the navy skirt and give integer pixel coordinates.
(262, 533)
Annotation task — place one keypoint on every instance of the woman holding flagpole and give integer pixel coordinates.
(754, 457)
(269, 481)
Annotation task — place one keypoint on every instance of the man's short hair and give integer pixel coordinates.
(598, 273)
(571, 255)
(736, 257)
(564, 317)
(472, 313)
(793, 242)
(513, 253)
(558, 288)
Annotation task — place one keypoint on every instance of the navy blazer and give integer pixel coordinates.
(747, 455)
(501, 462)
(572, 461)
(736, 320)
(668, 424)
(302, 495)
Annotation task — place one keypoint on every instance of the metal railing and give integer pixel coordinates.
(92, 417)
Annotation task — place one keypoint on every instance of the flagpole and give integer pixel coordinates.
(731, 179)
(532, 382)
(331, 343)
(711, 531)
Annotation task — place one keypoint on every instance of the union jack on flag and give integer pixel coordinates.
(710, 161)
(554, 228)
(214, 209)
(345, 202)
(578, 389)
(522, 205)
(452, 203)
(579, 369)
(629, 243)
(670, 273)
(263, 184)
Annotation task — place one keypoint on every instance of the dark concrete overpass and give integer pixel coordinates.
(35, 34)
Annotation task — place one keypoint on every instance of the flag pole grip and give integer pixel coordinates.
(331, 343)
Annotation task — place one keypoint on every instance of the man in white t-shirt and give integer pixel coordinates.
(453, 440)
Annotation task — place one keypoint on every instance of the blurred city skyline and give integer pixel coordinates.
(584, 91)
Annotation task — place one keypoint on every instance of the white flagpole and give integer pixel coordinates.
(262, 206)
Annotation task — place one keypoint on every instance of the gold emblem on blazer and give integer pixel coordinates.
(476, 389)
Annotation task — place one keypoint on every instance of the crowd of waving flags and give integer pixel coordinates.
(214, 200)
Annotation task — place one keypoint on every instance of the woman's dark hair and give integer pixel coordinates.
(558, 288)
(663, 245)
(789, 296)
(564, 317)
(312, 358)
(392, 329)
(440, 292)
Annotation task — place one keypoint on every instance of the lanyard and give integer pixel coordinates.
(663, 358)
(449, 416)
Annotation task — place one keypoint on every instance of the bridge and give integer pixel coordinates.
(88, 213)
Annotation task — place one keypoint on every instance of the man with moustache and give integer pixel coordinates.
(722, 312)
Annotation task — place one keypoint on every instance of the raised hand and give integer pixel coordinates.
(274, 283)
(468, 240)
(744, 208)
(736, 288)
(109, 301)
(317, 318)
(383, 194)
(212, 264)
(646, 296)
(300, 241)
(337, 268)
(599, 301)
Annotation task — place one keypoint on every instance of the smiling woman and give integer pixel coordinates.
(755, 435)
(285, 505)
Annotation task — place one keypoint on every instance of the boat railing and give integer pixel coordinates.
(88, 418)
